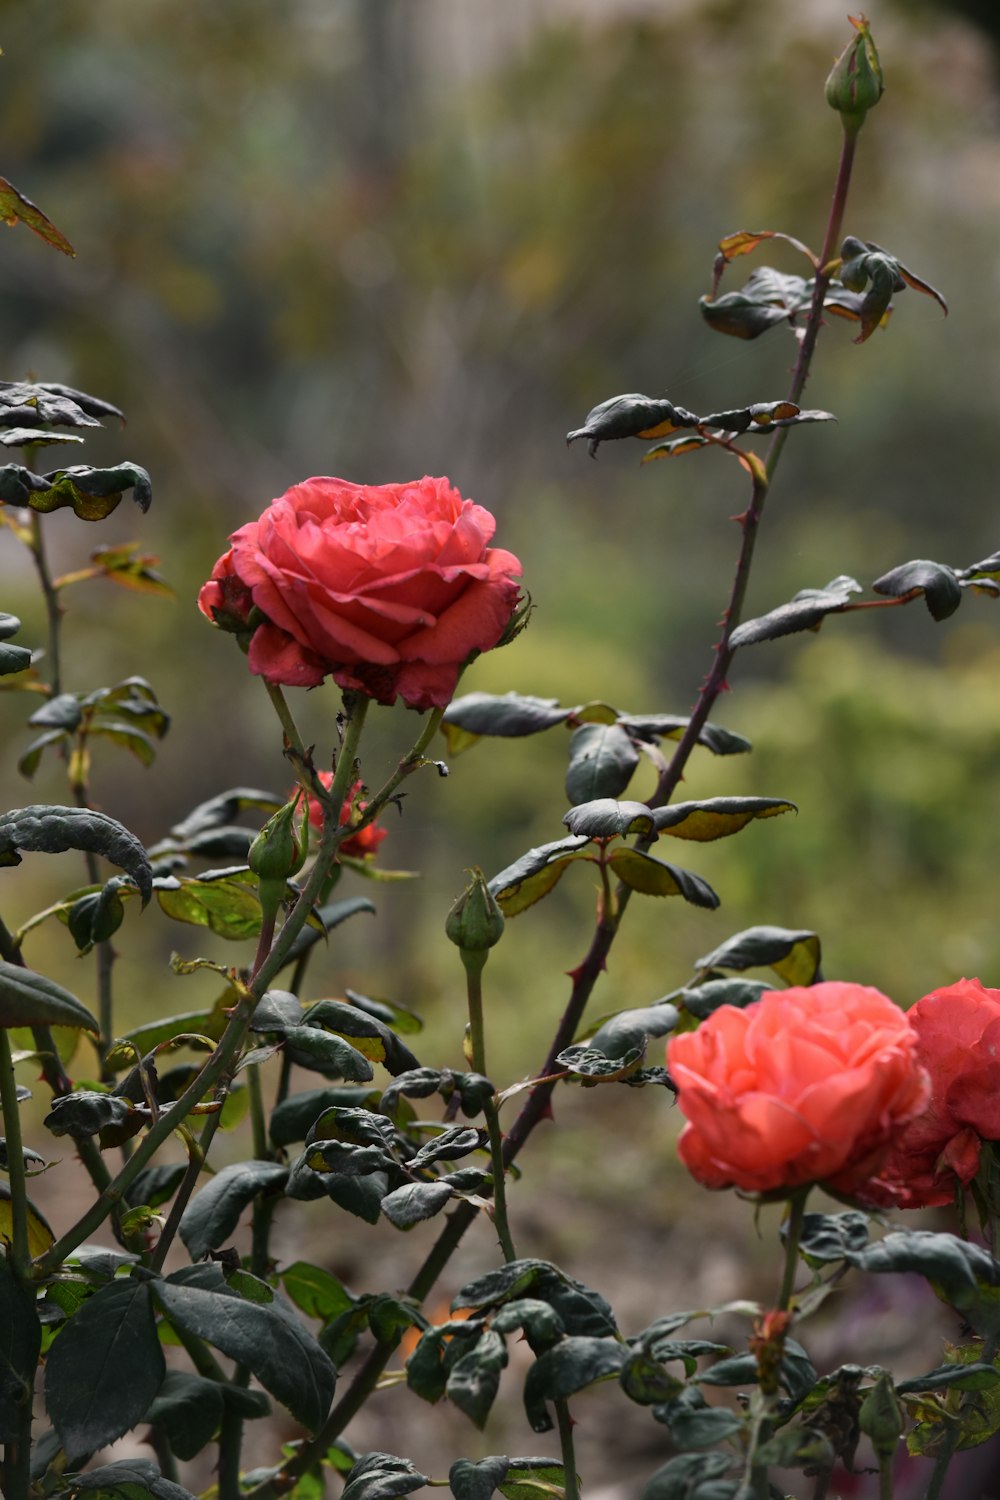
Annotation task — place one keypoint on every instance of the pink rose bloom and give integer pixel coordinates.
(367, 840)
(958, 1041)
(387, 588)
(804, 1085)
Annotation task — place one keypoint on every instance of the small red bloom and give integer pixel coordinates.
(359, 844)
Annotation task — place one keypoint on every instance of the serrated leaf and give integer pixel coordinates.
(316, 1291)
(323, 1052)
(474, 1379)
(716, 817)
(936, 581)
(281, 1353)
(607, 819)
(805, 611)
(86, 1112)
(591, 1063)
(292, 1118)
(105, 1368)
(92, 494)
(370, 1036)
(29, 999)
(51, 830)
(582, 1310)
(214, 1212)
(568, 1367)
(532, 876)
(381, 1476)
(654, 877)
(827, 1237)
(794, 956)
(534, 1479)
(229, 908)
(602, 759)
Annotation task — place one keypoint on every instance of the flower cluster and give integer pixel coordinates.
(389, 589)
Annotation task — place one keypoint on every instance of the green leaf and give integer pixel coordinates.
(51, 830)
(153, 1034)
(582, 1310)
(716, 817)
(189, 1410)
(381, 1476)
(602, 758)
(745, 315)
(701, 1000)
(962, 1274)
(316, 1291)
(327, 918)
(292, 1118)
(228, 907)
(533, 1479)
(591, 1063)
(542, 1325)
(510, 715)
(128, 1479)
(631, 415)
(805, 611)
(20, 1343)
(14, 207)
(477, 1481)
(416, 1201)
(936, 581)
(323, 1052)
(532, 876)
(368, 1035)
(827, 1237)
(566, 1368)
(974, 1377)
(105, 1368)
(92, 494)
(631, 1028)
(682, 1478)
(475, 1378)
(399, 1017)
(608, 819)
(86, 1112)
(97, 916)
(214, 1212)
(699, 1426)
(794, 956)
(654, 877)
(645, 1381)
(29, 999)
(669, 727)
(269, 1340)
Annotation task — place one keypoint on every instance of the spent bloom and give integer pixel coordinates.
(805, 1085)
(389, 589)
(958, 1042)
(367, 839)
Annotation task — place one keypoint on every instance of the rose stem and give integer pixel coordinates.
(475, 961)
(793, 1234)
(571, 1488)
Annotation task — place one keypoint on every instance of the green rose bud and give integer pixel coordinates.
(881, 1416)
(279, 850)
(475, 923)
(855, 84)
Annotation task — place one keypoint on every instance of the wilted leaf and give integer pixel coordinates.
(716, 817)
(654, 877)
(50, 830)
(936, 581)
(532, 876)
(14, 206)
(805, 611)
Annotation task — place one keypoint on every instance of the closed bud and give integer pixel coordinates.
(475, 923)
(279, 850)
(881, 1416)
(855, 84)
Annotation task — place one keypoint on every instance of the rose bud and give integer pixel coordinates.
(855, 84)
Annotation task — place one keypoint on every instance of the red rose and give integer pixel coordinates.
(387, 588)
(804, 1085)
(958, 1041)
(359, 844)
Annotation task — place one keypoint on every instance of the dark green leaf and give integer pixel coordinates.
(589, 1062)
(283, 1356)
(669, 727)
(532, 876)
(717, 817)
(373, 1038)
(937, 582)
(85, 1112)
(701, 1426)
(20, 1342)
(805, 611)
(682, 1478)
(632, 415)
(645, 1381)
(974, 1377)
(740, 1369)
(157, 1185)
(323, 1052)
(607, 819)
(380, 1476)
(399, 1017)
(292, 1118)
(61, 712)
(224, 808)
(189, 1410)
(360, 1196)
(827, 1237)
(654, 877)
(794, 956)
(741, 314)
(566, 1368)
(630, 1028)
(276, 1011)
(128, 1479)
(14, 659)
(477, 1481)
(344, 1159)
(542, 1325)
(530, 1478)
(105, 1368)
(389, 1318)
(963, 1274)
(701, 1000)
(91, 493)
(450, 1145)
(316, 1291)
(582, 1310)
(97, 916)
(214, 1212)
(602, 759)
(509, 715)
(475, 1378)
(415, 1201)
(29, 999)
(51, 830)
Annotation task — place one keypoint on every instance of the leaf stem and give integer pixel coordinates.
(942, 1462)
(793, 1234)
(20, 1255)
(50, 594)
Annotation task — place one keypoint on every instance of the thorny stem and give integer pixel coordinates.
(50, 593)
(793, 1234)
(571, 1488)
(941, 1463)
(20, 1255)
(474, 963)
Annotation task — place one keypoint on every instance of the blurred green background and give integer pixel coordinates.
(383, 238)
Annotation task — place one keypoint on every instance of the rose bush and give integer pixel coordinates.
(958, 1042)
(804, 1085)
(366, 840)
(386, 588)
